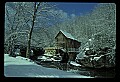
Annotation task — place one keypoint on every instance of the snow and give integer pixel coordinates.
(87, 49)
(97, 58)
(80, 55)
(23, 67)
(74, 63)
(68, 35)
(44, 58)
(48, 54)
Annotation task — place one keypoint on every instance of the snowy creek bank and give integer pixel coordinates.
(77, 69)
(23, 67)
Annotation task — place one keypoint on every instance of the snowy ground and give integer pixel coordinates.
(23, 67)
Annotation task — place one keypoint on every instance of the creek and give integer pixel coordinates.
(97, 73)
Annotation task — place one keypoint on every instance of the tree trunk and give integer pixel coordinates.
(29, 39)
(28, 48)
(30, 34)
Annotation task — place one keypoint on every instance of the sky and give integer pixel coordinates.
(76, 8)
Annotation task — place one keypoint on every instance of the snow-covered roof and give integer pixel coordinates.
(68, 35)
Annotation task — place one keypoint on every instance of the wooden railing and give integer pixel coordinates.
(62, 46)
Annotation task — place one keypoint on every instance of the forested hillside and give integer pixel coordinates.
(100, 26)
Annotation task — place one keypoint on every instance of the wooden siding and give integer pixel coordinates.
(66, 43)
(70, 45)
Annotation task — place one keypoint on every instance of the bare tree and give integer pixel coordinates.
(31, 15)
(13, 23)
(41, 11)
(30, 33)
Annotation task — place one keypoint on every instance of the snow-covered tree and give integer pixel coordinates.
(29, 15)
(13, 22)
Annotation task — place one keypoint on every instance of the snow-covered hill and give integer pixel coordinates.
(23, 67)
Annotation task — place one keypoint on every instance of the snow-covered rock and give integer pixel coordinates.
(74, 63)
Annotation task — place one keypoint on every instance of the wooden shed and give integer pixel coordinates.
(68, 43)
